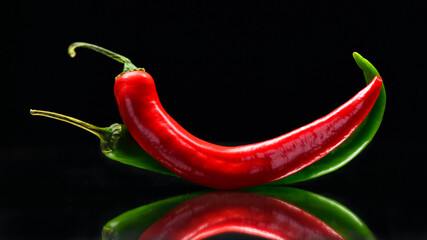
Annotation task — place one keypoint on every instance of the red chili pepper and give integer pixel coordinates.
(240, 212)
(225, 167)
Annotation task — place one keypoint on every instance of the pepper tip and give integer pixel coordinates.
(356, 55)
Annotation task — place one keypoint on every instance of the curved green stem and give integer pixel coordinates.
(128, 66)
(100, 132)
(104, 134)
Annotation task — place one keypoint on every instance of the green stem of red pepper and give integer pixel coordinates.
(128, 65)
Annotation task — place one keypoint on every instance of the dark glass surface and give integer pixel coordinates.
(62, 195)
(229, 73)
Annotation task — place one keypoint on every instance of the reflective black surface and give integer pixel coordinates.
(71, 197)
(277, 212)
(238, 72)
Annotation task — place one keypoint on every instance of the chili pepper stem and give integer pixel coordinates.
(108, 136)
(128, 65)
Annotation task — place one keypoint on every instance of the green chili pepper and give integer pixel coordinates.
(118, 144)
(131, 224)
(355, 143)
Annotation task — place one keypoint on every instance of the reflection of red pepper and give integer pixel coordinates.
(248, 213)
(228, 167)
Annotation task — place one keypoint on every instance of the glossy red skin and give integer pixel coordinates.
(224, 167)
(240, 212)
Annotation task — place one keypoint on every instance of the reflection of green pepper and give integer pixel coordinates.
(118, 144)
(339, 218)
(130, 224)
(355, 143)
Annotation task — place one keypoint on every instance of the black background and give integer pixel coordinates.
(230, 72)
